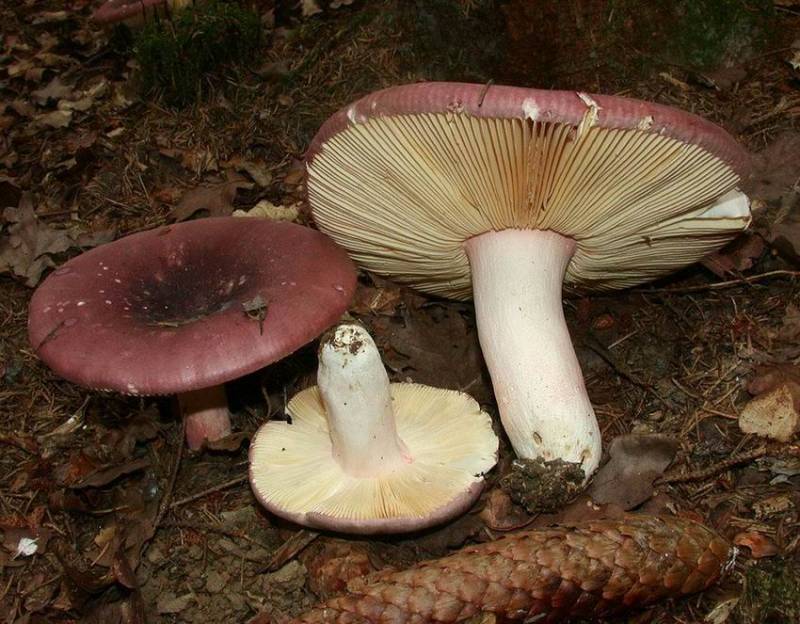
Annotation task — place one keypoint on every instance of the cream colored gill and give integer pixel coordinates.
(403, 193)
(449, 437)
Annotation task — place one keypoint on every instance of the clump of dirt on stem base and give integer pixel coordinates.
(176, 56)
(542, 486)
(771, 594)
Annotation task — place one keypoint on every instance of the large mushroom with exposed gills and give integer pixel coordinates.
(504, 194)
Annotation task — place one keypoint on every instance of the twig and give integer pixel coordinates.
(590, 341)
(166, 503)
(211, 528)
(720, 285)
(211, 490)
(290, 549)
(714, 469)
(484, 91)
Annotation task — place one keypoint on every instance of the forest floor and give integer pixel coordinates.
(121, 526)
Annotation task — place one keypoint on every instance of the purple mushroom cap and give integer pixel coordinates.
(189, 306)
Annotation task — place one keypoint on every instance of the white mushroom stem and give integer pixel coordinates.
(206, 414)
(516, 280)
(354, 387)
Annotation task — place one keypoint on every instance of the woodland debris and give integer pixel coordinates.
(544, 575)
(774, 414)
(637, 460)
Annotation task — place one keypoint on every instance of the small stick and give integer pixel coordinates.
(165, 504)
(202, 528)
(484, 91)
(721, 285)
(211, 490)
(290, 549)
(714, 469)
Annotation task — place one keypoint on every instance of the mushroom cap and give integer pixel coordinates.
(166, 311)
(113, 11)
(294, 475)
(402, 177)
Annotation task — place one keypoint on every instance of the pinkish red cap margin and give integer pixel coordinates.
(455, 507)
(114, 11)
(494, 101)
(94, 322)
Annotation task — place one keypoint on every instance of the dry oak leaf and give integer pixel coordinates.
(637, 460)
(54, 90)
(26, 244)
(265, 209)
(739, 255)
(773, 414)
(759, 544)
(215, 201)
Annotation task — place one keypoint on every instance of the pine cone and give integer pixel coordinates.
(588, 570)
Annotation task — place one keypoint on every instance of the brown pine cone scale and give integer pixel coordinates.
(544, 575)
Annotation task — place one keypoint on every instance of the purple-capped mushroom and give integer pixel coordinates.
(184, 308)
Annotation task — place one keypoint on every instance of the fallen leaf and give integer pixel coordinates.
(637, 460)
(722, 611)
(771, 376)
(377, 300)
(501, 514)
(54, 90)
(55, 119)
(424, 343)
(310, 7)
(296, 173)
(760, 545)
(790, 330)
(51, 17)
(775, 168)
(199, 160)
(267, 210)
(739, 255)
(773, 506)
(27, 245)
(785, 238)
(215, 201)
(106, 474)
(258, 171)
(25, 541)
(169, 603)
(774, 414)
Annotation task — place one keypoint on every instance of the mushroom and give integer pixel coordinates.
(361, 455)
(184, 308)
(502, 194)
(135, 12)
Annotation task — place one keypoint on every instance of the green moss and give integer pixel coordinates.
(700, 34)
(710, 32)
(771, 594)
(177, 56)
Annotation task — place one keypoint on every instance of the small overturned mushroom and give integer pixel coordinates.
(361, 455)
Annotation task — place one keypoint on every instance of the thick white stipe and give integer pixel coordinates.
(516, 280)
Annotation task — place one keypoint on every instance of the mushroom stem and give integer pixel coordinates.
(354, 387)
(206, 414)
(516, 279)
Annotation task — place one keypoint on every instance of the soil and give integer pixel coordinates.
(105, 517)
